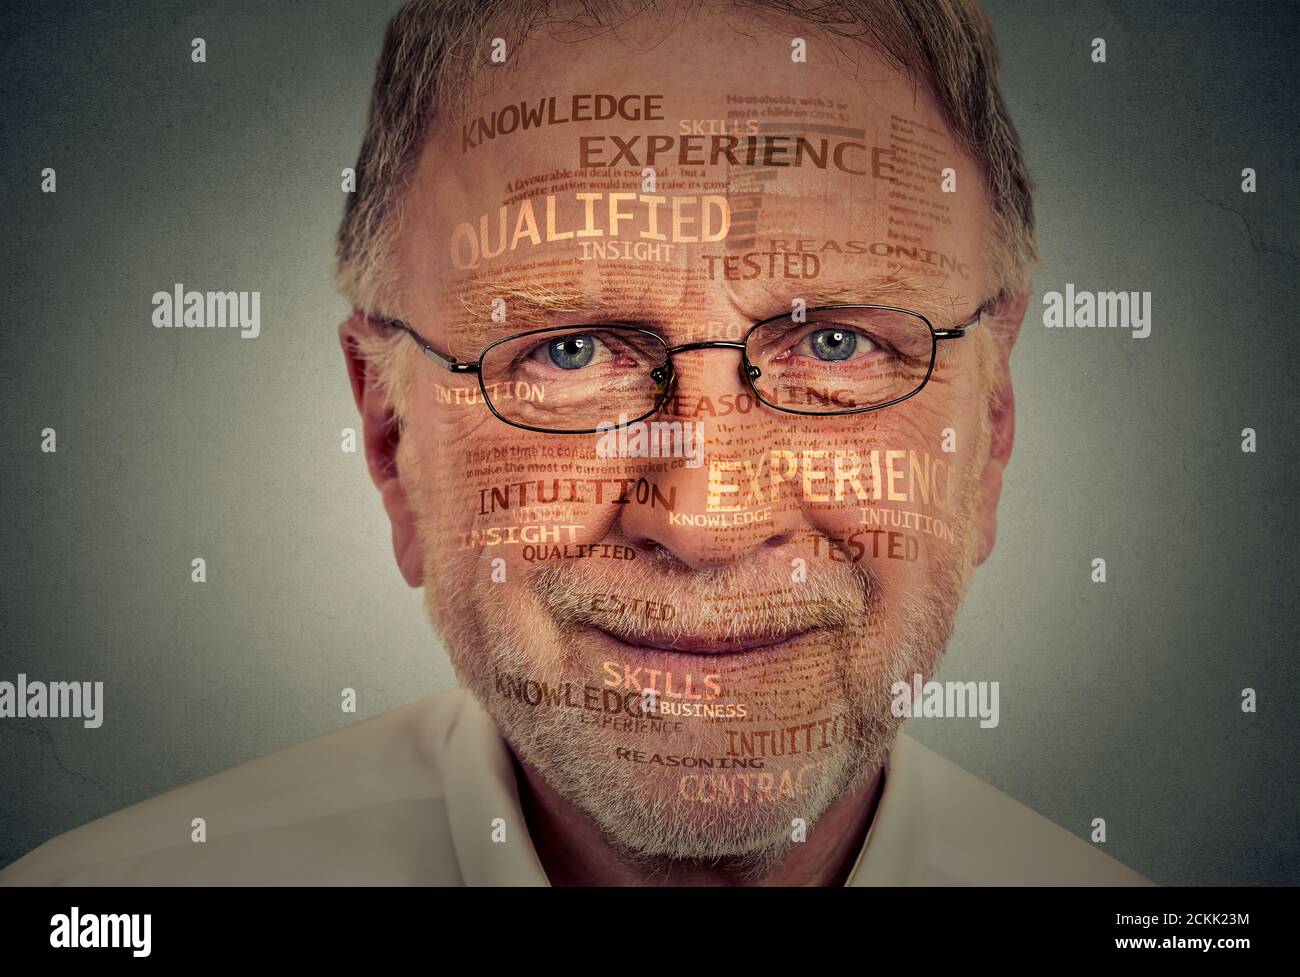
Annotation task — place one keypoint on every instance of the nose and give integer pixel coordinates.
(729, 508)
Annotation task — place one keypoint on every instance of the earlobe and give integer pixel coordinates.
(406, 540)
(381, 435)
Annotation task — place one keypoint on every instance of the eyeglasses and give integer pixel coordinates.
(827, 361)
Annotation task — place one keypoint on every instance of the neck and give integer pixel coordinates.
(574, 851)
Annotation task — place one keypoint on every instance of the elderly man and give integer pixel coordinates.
(681, 342)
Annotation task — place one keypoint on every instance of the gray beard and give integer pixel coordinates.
(649, 822)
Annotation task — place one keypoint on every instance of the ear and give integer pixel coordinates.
(382, 431)
(1003, 319)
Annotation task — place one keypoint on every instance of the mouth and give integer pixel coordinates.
(692, 650)
(700, 644)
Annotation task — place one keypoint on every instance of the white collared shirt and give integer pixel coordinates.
(414, 796)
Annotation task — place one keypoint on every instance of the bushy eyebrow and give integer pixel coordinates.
(528, 305)
(905, 292)
(534, 305)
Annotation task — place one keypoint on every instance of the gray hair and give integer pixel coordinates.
(431, 46)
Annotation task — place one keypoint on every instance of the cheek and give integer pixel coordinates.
(943, 421)
(907, 521)
(457, 448)
(497, 502)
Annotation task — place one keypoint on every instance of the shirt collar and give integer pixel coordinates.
(480, 788)
(895, 848)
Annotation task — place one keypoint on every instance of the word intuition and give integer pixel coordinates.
(601, 491)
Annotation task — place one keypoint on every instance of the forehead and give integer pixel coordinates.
(689, 169)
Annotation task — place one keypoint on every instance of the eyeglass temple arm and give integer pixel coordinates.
(447, 363)
(956, 332)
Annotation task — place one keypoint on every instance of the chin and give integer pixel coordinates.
(689, 793)
(668, 810)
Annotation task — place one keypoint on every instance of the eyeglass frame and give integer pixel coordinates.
(750, 372)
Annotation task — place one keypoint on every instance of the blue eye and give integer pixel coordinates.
(572, 352)
(833, 344)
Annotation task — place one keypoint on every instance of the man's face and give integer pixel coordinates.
(770, 592)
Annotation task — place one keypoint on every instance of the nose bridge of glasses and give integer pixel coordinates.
(708, 344)
(747, 373)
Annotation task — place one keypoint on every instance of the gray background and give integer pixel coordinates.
(1118, 701)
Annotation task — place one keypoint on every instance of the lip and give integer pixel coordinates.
(699, 645)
